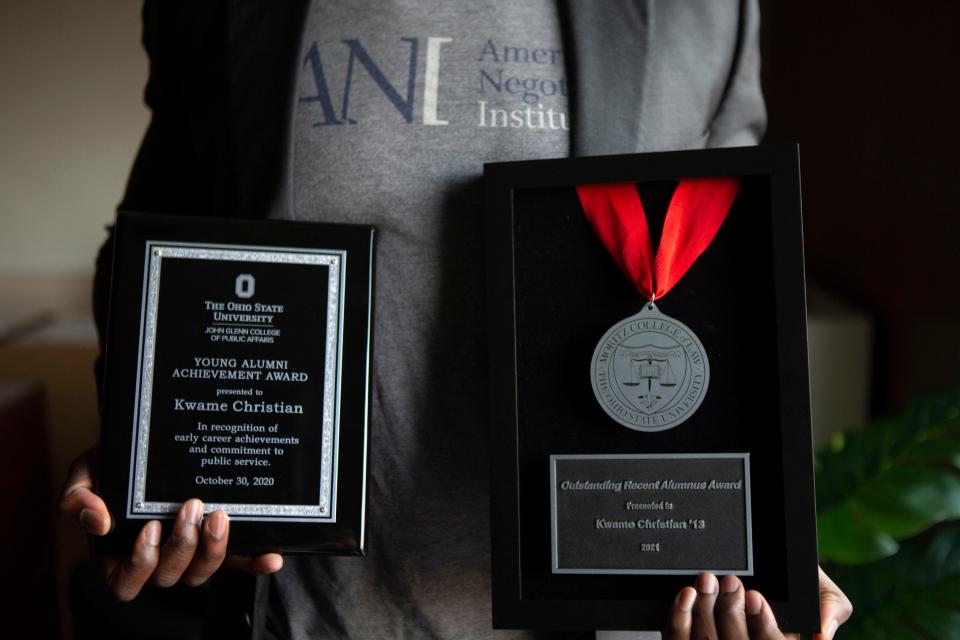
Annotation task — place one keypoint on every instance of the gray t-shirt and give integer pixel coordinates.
(400, 104)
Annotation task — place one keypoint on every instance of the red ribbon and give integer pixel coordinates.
(696, 211)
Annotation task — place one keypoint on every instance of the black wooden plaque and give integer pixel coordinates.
(237, 372)
(596, 525)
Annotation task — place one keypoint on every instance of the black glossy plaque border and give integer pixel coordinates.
(552, 293)
(325, 271)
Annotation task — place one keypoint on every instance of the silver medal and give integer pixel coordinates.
(649, 371)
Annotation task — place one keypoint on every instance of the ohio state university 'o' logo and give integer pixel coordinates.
(244, 285)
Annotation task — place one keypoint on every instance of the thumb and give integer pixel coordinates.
(835, 607)
(78, 502)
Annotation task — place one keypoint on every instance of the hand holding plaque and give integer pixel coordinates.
(726, 606)
(190, 556)
(237, 372)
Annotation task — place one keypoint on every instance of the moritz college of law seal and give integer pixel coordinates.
(649, 371)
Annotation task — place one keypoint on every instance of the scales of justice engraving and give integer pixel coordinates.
(650, 372)
(643, 365)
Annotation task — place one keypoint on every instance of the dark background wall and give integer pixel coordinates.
(869, 90)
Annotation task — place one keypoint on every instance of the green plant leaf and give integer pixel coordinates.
(844, 537)
(913, 594)
(904, 501)
(935, 451)
(889, 481)
(936, 621)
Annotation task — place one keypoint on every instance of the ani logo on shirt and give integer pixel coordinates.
(517, 87)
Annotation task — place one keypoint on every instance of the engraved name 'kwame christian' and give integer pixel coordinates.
(645, 523)
(238, 406)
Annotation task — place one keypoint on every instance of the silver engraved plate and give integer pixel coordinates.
(650, 372)
(229, 438)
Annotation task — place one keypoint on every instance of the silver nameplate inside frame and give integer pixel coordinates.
(651, 514)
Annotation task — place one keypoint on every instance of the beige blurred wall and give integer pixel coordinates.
(71, 118)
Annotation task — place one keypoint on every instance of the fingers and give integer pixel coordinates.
(212, 551)
(256, 565)
(127, 577)
(703, 623)
(760, 620)
(835, 607)
(193, 552)
(78, 502)
(730, 618)
(178, 551)
(721, 610)
(681, 615)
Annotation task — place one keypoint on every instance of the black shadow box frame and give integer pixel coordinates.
(322, 276)
(553, 290)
